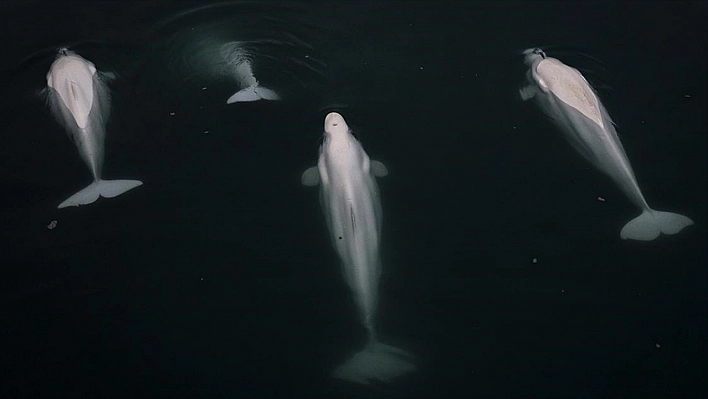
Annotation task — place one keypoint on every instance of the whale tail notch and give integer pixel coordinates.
(651, 223)
(376, 363)
(100, 188)
(253, 93)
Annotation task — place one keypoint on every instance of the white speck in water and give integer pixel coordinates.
(204, 88)
(687, 95)
(600, 199)
(206, 131)
(421, 68)
(52, 225)
(534, 260)
(562, 290)
(172, 113)
(513, 127)
(475, 74)
(307, 56)
(658, 346)
(201, 278)
(642, 122)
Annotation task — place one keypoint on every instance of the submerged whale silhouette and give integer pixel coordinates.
(239, 63)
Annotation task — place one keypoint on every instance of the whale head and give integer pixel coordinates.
(335, 126)
(532, 55)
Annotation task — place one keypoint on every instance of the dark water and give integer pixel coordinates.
(216, 278)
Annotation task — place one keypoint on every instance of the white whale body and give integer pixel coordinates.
(564, 95)
(349, 197)
(80, 101)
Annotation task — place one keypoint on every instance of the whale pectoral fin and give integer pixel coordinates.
(41, 93)
(527, 92)
(378, 169)
(310, 177)
(107, 76)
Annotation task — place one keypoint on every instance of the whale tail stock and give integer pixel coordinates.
(651, 223)
(253, 93)
(377, 362)
(100, 188)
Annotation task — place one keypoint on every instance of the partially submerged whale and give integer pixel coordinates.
(80, 101)
(239, 62)
(564, 95)
(350, 201)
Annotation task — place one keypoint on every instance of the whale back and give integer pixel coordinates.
(569, 86)
(72, 78)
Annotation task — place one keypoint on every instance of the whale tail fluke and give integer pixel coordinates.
(651, 223)
(100, 188)
(376, 363)
(253, 93)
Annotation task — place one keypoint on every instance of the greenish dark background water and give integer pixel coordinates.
(216, 277)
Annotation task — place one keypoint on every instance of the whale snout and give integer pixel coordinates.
(334, 122)
(333, 118)
(534, 50)
(533, 54)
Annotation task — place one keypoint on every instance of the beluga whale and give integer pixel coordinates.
(79, 99)
(565, 97)
(351, 204)
(238, 61)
